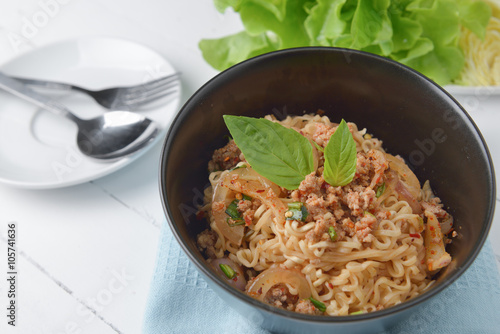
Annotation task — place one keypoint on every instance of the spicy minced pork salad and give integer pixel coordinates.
(315, 217)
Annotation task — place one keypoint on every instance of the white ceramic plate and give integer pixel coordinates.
(37, 149)
(480, 91)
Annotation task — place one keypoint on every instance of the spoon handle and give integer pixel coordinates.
(18, 89)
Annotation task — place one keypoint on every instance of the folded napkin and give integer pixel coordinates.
(181, 302)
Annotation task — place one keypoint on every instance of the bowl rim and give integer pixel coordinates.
(390, 311)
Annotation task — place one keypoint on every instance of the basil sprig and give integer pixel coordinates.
(340, 157)
(285, 157)
(278, 153)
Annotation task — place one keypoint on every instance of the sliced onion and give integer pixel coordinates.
(239, 282)
(261, 284)
(249, 182)
(251, 175)
(405, 174)
(232, 233)
(236, 182)
(406, 195)
(404, 182)
(447, 224)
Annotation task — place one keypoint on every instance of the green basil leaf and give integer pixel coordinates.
(340, 157)
(280, 154)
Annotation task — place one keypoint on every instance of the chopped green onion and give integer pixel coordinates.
(247, 198)
(232, 210)
(380, 190)
(236, 222)
(227, 270)
(293, 214)
(234, 214)
(305, 213)
(357, 312)
(319, 148)
(332, 233)
(319, 305)
(369, 213)
(295, 205)
(296, 211)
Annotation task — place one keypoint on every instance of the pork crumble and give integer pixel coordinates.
(350, 210)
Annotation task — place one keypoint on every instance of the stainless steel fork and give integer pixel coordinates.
(118, 98)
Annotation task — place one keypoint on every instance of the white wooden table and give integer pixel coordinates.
(86, 253)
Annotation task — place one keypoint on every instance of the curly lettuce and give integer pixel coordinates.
(422, 34)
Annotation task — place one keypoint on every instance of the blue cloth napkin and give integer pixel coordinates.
(181, 302)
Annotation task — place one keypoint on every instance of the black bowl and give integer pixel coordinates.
(411, 114)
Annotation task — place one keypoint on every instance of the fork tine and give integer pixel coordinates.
(152, 84)
(149, 99)
(144, 95)
(151, 95)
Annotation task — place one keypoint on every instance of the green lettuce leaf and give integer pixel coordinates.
(290, 30)
(442, 64)
(474, 16)
(277, 7)
(324, 23)
(371, 25)
(422, 34)
(441, 25)
(222, 5)
(406, 33)
(225, 52)
(421, 47)
(440, 22)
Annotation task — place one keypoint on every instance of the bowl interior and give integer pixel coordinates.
(411, 115)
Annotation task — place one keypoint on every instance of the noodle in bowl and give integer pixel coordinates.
(366, 281)
(378, 258)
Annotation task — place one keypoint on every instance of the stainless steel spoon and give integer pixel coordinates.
(110, 136)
